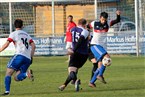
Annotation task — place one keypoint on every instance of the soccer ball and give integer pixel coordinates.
(106, 61)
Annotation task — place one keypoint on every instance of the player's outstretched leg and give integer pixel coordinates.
(94, 78)
(71, 76)
(100, 75)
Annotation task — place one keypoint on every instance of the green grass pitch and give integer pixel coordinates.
(125, 78)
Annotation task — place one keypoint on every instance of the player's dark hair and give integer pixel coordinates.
(18, 23)
(104, 15)
(70, 16)
(82, 21)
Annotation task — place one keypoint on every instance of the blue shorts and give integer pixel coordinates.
(19, 62)
(98, 52)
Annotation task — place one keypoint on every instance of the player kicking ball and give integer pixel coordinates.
(99, 45)
(22, 59)
(79, 53)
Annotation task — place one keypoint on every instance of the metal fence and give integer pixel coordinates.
(45, 18)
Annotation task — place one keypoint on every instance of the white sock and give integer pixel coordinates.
(7, 91)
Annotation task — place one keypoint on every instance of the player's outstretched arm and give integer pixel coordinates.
(33, 48)
(117, 20)
(4, 46)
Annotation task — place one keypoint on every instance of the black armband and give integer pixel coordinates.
(117, 20)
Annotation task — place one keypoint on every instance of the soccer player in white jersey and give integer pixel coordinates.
(22, 59)
(98, 45)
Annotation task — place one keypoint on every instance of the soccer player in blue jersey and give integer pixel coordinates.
(98, 45)
(79, 53)
(22, 59)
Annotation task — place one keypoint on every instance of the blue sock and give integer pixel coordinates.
(101, 70)
(7, 83)
(21, 76)
(94, 78)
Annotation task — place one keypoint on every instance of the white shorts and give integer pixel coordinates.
(68, 45)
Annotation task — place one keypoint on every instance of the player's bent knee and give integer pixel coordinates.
(72, 69)
(9, 72)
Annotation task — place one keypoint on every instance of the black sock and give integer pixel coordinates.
(67, 80)
(71, 76)
(76, 76)
(95, 66)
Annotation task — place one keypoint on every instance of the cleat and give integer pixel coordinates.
(77, 83)
(101, 78)
(5, 94)
(92, 85)
(62, 87)
(30, 75)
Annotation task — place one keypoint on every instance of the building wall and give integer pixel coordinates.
(44, 16)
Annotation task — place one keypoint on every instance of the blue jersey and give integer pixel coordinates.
(76, 33)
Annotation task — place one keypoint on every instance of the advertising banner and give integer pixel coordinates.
(56, 46)
(50, 46)
(124, 44)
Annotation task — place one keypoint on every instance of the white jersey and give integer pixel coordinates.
(99, 33)
(22, 42)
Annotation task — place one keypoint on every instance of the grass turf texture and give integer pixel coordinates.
(125, 78)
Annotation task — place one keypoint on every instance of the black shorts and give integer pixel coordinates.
(77, 60)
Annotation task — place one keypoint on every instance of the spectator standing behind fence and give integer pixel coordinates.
(68, 37)
(22, 59)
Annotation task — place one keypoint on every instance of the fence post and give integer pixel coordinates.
(10, 16)
(53, 18)
(136, 28)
